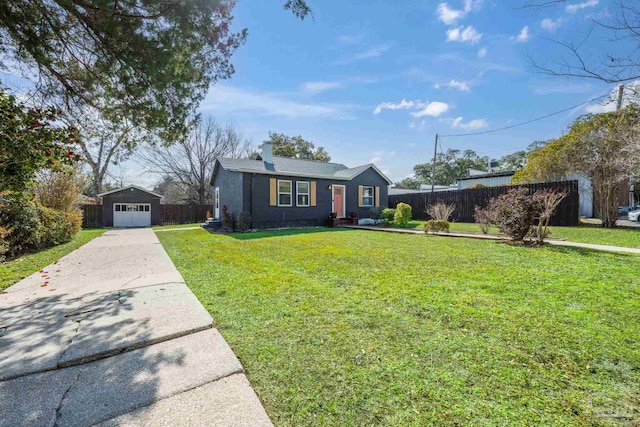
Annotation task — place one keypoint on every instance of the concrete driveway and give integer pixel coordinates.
(110, 334)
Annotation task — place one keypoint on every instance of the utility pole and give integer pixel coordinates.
(433, 167)
(619, 101)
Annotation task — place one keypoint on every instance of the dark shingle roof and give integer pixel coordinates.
(296, 167)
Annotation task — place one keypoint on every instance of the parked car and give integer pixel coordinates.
(634, 215)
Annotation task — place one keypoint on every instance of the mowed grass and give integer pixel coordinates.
(16, 269)
(350, 327)
(626, 237)
(170, 227)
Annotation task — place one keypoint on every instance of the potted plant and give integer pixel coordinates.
(333, 215)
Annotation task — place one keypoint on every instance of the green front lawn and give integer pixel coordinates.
(350, 327)
(170, 227)
(16, 269)
(626, 237)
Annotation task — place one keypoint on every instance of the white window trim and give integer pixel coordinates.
(373, 196)
(308, 193)
(290, 193)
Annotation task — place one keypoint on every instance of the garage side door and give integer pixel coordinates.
(131, 215)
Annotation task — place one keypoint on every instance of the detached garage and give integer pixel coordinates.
(130, 207)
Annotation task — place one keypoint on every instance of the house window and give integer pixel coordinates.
(367, 196)
(117, 207)
(302, 193)
(284, 193)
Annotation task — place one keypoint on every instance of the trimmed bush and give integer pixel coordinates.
(4, 243)
(58, 227)
(402, 215)
(514, 213)
(375, 214)
(388, 215)
(19, 215)
(436, 226)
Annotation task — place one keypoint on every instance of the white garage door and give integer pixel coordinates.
(131, 214)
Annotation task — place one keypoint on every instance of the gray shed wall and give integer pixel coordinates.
(132, 195)
(230, 184)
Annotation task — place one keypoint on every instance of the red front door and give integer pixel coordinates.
(338, 200)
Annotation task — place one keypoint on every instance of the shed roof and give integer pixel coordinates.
(130, 187)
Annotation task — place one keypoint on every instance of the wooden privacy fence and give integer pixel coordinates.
(183, 214)
(169, 214)
(465, 201)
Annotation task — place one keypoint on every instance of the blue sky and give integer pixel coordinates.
(373, 81)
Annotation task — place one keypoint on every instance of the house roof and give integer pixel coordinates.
(297, 167)
(130, 187)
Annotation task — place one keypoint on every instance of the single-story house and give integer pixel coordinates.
(287, 192)
(130, 206)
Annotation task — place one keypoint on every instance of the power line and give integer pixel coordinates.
(523, 123)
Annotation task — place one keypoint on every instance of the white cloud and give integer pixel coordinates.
(355, 39)
(374, 52)
(449, 16)
(402, 105)
(464, 34)
(475, 124)
(523, 36)
(461, 86)
(433, 109)
(573, 8)
(320, 86)
(631, 95)
(231, 99)
(550, 25)
(482, 52)
(375, 159)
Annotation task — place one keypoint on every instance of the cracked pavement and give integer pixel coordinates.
(111, 334)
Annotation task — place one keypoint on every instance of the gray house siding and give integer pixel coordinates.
(266, 216)
(230, 184)
(132, 195)
(370, 178)
(256, 195)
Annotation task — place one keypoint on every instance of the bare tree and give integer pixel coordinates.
(104, 143)
(618, 64)
(190, 161)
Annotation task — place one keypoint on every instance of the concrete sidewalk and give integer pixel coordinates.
(595, 247)
(110, 334)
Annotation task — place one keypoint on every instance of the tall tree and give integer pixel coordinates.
(297, 147)
(31, 140)
(150, 61)
(190, 160)
(517, 160)
(605, 147)
(104, 143)
(450, 166)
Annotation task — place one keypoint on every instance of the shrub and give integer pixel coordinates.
(59, 190)
(58, 227)
(19, 215)
(244, 222)
(402, 215)
(546, 203)
(4, 243)
(477, 185)
(440, 211)
(375, 214)
(514, 213)
(388, 215)
(227, 219)
(436, 226)
(484, 218)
